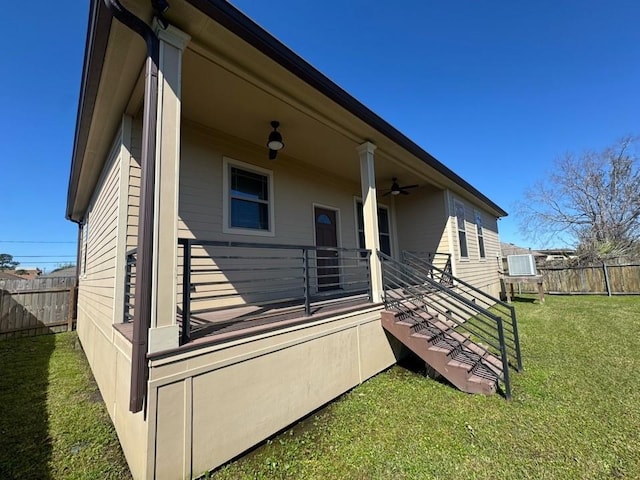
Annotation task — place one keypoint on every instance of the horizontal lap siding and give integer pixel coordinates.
(421, 220)
(483, 273)
(134, 184)
(296, 189)
(97, 284)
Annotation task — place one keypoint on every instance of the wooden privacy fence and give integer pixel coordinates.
(596, 280)
(38, 306)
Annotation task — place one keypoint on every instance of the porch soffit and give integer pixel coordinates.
(232, 88)
(123, 59)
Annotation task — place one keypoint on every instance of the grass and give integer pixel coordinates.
(575, 412)
(53, 423)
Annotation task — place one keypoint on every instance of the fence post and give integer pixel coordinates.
(606, 279)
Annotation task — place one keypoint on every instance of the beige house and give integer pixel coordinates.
(225, 293)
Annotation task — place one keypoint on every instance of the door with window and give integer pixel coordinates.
(327, 259)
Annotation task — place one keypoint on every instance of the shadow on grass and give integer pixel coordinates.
(524, 300)
(25, 445)
(414, 364)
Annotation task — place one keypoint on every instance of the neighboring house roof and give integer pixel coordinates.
(24, 274)
(65, 272)
(6, 275)
(240, 25)
(512, 249)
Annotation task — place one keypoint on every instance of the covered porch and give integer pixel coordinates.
(240, 231)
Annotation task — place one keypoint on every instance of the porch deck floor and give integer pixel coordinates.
(227, 324)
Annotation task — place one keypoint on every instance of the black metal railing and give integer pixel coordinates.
(130, 285)
(407, 289)
(479, 297)
(436, 265)
(218, 275)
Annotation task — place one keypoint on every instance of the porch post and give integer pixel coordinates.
(370, 215)
(164, 328)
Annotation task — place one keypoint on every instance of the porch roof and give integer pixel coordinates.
(111, 72)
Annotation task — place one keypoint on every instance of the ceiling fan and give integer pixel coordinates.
(396, 189)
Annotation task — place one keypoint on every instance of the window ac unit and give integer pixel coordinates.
(521, 265)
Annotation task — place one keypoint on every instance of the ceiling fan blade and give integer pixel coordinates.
(409, 186)
(404, 192)
(385, 194)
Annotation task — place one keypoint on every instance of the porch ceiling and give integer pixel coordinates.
(220, 99)
(231, 87)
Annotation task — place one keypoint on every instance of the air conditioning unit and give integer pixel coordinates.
(521, 265)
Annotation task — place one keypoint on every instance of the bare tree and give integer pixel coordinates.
(592, 199)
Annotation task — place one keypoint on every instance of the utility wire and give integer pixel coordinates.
(30, 241)
(43, 256)
(38, 263)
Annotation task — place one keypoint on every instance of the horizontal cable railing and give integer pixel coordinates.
(130, 285)
(420, 261)
(407, 289)
(218, 275)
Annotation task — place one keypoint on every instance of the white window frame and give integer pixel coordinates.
(227, 163)
(482, 247)
(456, 204)
(390, 225)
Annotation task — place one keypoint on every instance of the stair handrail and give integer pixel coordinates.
(413, 258)
(420, 278)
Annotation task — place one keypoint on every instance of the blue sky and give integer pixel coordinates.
(495, 90)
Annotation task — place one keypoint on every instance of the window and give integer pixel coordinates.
(384, 232)
(248, 202)
(462, 230)
(480, 235)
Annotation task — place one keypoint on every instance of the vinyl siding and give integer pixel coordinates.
(134, 183)
(480, 272)
(421, 220)
(295, 191)
(96, 287)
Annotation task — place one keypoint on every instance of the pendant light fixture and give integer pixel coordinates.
(275, 142)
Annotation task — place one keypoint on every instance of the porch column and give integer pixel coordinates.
(370, 215)
(164, 328)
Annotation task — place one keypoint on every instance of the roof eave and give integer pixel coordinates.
(95, 48)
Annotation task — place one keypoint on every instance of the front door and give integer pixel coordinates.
(327, 259)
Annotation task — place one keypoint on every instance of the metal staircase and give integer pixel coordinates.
(464, 334)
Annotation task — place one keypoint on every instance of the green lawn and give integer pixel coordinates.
(575, 413)
(53, 423)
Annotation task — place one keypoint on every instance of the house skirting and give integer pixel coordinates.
(209, 405)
